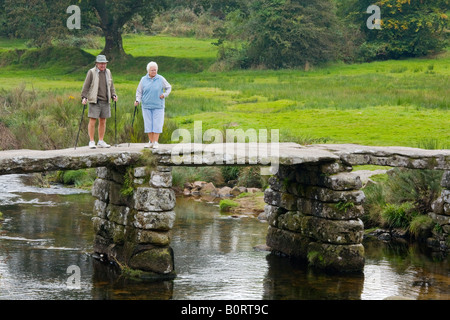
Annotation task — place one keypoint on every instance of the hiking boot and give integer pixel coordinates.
(92, 144)
(103, 144)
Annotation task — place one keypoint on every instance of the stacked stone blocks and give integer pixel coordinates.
(441, 217)
(134, 228)
(314, 214)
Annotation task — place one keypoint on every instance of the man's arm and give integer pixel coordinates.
(113, 89)
(86, 85)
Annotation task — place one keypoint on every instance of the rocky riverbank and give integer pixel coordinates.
(250, 201)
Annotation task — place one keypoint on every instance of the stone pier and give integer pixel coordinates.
(441, 217)
(133, 218)
(314, 214)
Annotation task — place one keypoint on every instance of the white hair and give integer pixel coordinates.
(151, 64)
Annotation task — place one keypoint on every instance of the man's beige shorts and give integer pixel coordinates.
(102, 109)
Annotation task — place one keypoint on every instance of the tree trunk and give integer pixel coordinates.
(111, 27)
(113, 44)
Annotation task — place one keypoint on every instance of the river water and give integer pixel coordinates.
(46, 232)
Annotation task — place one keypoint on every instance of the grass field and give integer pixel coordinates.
(382, 103)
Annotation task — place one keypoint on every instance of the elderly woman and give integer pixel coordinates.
(152, 91)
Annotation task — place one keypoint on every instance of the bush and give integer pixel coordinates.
(226, 205)
(420, 187)
(281, 34)
(87, 42)
(185, 22)
(78, 178)
(51, 120)
(402, 200)
(398, 216)
(181, 175)
(420, 226)
(373, 205)
(408, 28)
(230, 173)
(250, 177)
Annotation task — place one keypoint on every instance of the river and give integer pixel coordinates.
(46, 232)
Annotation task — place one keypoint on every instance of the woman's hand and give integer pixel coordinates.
(161, 96)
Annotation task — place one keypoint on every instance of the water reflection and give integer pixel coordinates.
(214, 254)
(291, 280)
(110, 285)
(407, 270)
(44, 233)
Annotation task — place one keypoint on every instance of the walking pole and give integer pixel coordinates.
(81, 121)
(132, 122)
(115, 124)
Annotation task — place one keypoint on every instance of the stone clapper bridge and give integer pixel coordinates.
(313, 202)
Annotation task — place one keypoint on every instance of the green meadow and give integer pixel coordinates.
(401, 103)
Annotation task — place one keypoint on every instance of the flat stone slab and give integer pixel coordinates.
(242, 153)
(265, 154)
(413, 158)
(381, 151)
(29, 161)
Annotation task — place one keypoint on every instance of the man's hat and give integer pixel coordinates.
(101, 58)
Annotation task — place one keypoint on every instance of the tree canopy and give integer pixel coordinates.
(252, 33)
(39, 21)
(288, 33)
(409, 28)
(42, 21)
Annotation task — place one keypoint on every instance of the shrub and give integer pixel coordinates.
(250, 177)
(398, 216)
(230, 173)
(227, 204)
(181, 175)
(420, 187)
(408, 28)
(402, 200)
(373, 205)
(420, 226)
(78, 178)
(281, 34)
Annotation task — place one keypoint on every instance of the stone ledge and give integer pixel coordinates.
(445, 182)
(333, 211)
(341, 258)
(287, 242)
(154, 199)
(322, 230)
(288, 201)
(154, 220)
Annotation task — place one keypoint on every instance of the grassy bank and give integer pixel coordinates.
(382, 103)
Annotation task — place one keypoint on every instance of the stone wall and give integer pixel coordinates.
(313, 213)
(441, 216)
(133, 218)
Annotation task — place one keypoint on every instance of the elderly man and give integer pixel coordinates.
(98, 89)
